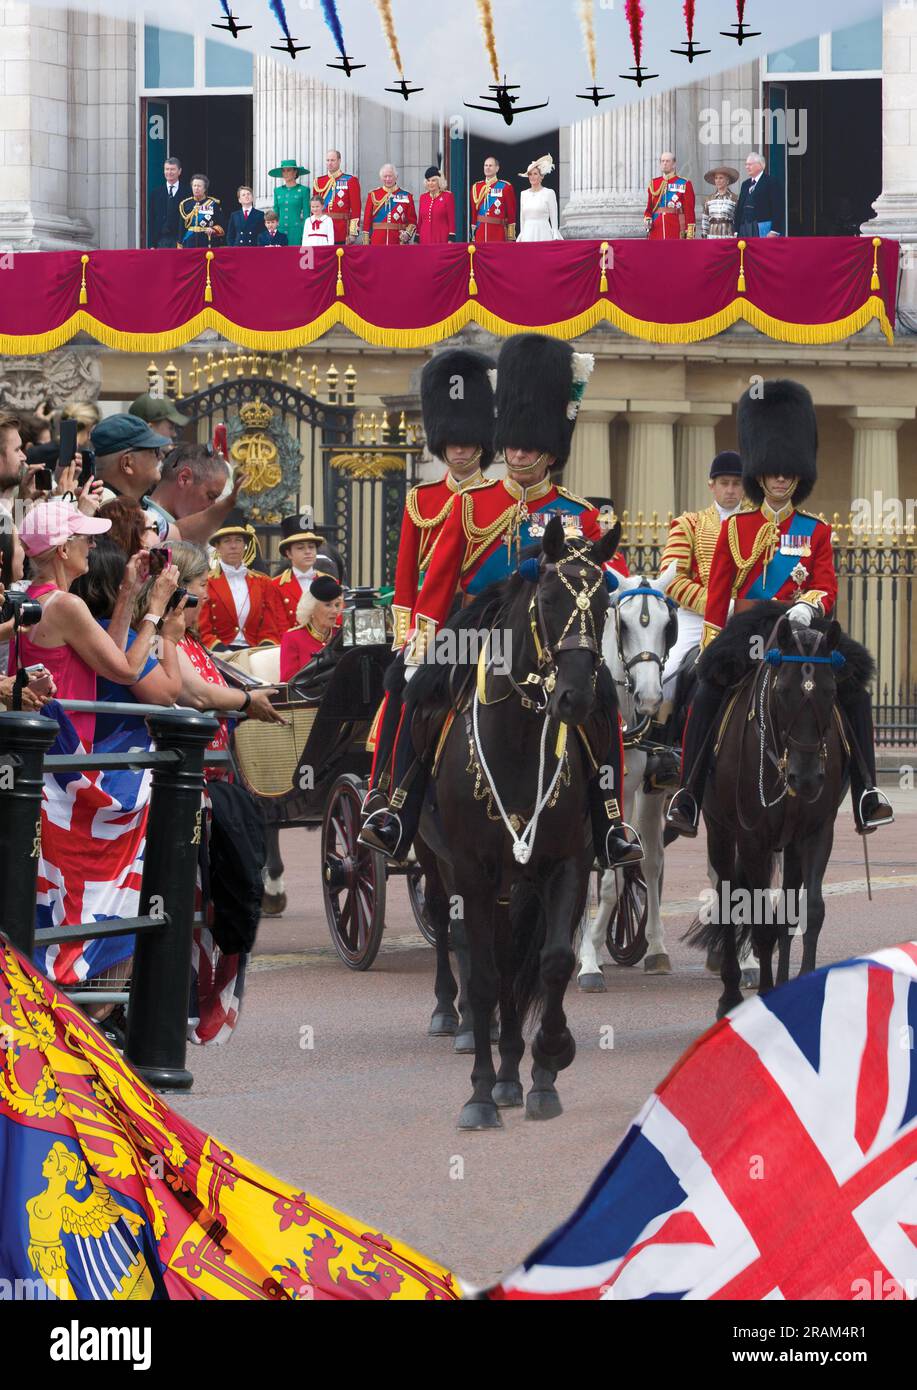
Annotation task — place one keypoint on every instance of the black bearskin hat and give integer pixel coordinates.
(457, 399)
(540, 383)
(778, 433)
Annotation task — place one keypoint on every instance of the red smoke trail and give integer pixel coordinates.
(689, 17)
(634, 12)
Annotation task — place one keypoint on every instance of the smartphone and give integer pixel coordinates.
(160, 559)
(175, 600)
(67, 446)
(44, 480)
(39, 680)
(88, 466)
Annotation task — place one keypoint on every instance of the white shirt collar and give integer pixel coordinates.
(727, 511)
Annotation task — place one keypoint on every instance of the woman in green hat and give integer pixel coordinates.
(291, 199)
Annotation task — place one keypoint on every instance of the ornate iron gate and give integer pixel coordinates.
(301, 451)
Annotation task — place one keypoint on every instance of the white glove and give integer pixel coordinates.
(801, 614)
(409, 673)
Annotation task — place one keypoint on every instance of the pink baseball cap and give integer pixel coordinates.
(53, 523)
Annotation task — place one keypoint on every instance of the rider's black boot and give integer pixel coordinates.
(613, 848)
(683, 815)
(871, 808)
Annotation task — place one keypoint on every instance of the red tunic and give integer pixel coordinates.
(343, 203)
(493, 210)
(290, 591)
(387, 215)
(425, 513)
(748, 544)
(219, 621)
(480, 542)
(437, 217)
(297, 648)
(670, 204)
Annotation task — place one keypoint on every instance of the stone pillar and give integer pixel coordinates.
(36, 73)
(695, 450)
(875, 480)
(588, 471)
(650, 475)
(612, 158)
(298, 117)
(896, 206)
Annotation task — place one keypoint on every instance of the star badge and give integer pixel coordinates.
(799, 574)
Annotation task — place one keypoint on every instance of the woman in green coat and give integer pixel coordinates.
(291, 200)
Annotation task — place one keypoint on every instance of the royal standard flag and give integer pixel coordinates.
(106, 1193)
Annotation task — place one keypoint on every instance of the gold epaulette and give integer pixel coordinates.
(286, 577)
(572, 497)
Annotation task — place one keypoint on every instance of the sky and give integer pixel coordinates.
(539, 44)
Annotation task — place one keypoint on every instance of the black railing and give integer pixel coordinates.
(161, 979)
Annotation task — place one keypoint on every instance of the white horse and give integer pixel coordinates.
(639, 632)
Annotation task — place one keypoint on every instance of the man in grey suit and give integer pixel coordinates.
(759, 211)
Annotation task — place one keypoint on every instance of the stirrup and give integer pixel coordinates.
(679, 819)
(868, 827)
(369, 839)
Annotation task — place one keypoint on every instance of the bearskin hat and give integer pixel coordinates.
(778, 433)
(457, 399)
(540, 383)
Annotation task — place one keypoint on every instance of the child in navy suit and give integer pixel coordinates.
(247, 224)
(270, 236)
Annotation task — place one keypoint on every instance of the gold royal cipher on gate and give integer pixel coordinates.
(255, 450)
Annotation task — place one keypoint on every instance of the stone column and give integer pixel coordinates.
(896, 206)
(695, 450)
(298, 117)
(35, 84)
(650, 475)
(875, 480)
(612, 158)
(588, 471)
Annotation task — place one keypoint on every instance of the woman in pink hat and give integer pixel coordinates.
(68, 641)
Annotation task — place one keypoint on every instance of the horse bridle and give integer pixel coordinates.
(646, 592)
(774, 658)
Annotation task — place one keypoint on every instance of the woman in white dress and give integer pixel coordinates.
(538, 219)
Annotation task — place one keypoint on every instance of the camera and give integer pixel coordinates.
(177, 597)
(21, 611)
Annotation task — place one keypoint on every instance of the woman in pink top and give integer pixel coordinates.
(436, 221)
(68, 641)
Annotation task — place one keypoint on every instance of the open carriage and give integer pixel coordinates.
(314, 773)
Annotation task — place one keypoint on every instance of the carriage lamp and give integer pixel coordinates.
(363, 624)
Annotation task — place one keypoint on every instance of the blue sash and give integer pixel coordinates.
(784, 562)
(498, 564)
(332, 189)
(389, 204)
(495, 195)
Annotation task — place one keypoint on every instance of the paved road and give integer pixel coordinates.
(365, 1118)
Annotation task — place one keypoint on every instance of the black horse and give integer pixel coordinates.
(505, 835)
(781, 769)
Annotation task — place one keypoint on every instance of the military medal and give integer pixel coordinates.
(799, 574)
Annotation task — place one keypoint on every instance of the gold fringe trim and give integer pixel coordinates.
(695, 331)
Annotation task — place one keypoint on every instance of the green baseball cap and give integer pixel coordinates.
(152, 408)
(118, 433)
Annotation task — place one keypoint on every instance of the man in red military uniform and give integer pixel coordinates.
(775, 552)
(299, 547)
(390, 218)
(493, 206)
(242, 608)
(341, 196)
(540, 382)
(669, 214)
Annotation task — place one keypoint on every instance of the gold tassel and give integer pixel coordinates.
(740, 288)
(84, 298)
(208, 291)
(472, 282)
(340, 284)
(875, 283)
(603, 283)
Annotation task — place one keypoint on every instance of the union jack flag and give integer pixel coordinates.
(778, 1160)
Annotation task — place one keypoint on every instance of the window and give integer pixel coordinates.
(858, 48)
(801, 57)
(168, 58)
(226, 65)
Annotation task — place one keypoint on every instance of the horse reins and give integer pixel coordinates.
(646, 591)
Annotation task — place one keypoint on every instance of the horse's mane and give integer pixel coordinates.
(435, 681)
(728, 659)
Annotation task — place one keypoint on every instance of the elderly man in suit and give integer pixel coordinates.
(166, 227)
(759, 211)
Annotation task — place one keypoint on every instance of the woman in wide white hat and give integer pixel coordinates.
(718, 218)
(538, 219)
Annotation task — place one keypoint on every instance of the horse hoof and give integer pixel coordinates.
(464, 1042)
(726, 1006)
(714, 961)
(658, 965)
(480, 1115)
(554, 1061)
(273, 904)
(443, 1025)
(543, 1105)
(507, 1094)
(593, 984)
(751, 978)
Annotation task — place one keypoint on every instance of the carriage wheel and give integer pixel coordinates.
(415, 881)
(353, 878)
(626, 935)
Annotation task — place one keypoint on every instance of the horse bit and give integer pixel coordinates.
(633, 736)
(808, 661)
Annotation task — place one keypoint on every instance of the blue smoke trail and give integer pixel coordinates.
(226, 9)
(278, 9)
(333, 20)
